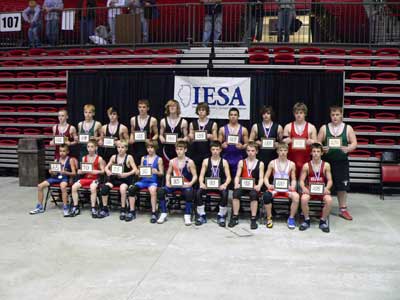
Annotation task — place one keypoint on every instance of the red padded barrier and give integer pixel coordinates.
(258, 50)
(359, 115)
(360, 153)
(260, 59)
(26, 109)
(385, 115)
(365, 128)
(360, 76)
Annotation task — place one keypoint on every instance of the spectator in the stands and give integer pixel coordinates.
(114, 9)
(52, 9)
(87, 16)
(255, 20)
(32, 15)
(147, 10)
(286, 15)
(212, 7)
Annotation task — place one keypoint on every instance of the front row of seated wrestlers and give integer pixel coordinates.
(250, 180)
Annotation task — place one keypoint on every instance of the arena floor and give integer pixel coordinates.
(47, 256)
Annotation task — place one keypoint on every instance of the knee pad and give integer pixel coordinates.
(161, 194)
(267, 198)
(105, 190)
(237, 194)
(253, 196)
(133, 190)
(188, 195)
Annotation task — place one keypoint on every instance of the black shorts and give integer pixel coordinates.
(340, 175)
(253, 194)
(115, 181)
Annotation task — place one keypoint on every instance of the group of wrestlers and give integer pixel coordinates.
(293, 162)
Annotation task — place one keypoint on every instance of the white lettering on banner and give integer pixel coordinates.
(221, 94)
(10, 22)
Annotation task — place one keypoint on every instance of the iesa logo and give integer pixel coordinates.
(213, 95)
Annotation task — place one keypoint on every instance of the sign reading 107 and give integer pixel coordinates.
(10, 22)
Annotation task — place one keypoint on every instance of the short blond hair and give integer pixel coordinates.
(282, 146)
(170, 103)
(89, 107)
(300, 106)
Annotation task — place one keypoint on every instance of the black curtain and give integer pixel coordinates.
(280, 89)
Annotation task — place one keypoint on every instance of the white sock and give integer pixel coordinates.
(200, 210)
(222, 211)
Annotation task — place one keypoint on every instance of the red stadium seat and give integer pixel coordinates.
(360, 63)
(46, 74)
(26, 120)
(99, 51)
(26, 86)
(7, 86)
(385, 116)
(41, 97)
(391, 90)
(5, 108)
(7, 120)
(62, 74)
(362, 141)
(60, 96)
(46, 109)
(334, 62)
(47, 85)
(49, 63)
(4, 97)
(359, 115)
(309, 60)
(386, 63)
(17, 53)
(26, 75)
(310, 50)
(360, 76)
(259, 59)
(365, 128)
(384, 142)
(387, 52)
(122, 51)
(360, 52)
(258, 50)
(386, 76)
(138, 61)
(37, 52)
(47, 120)
(12, 130)
(10, 63)
(283, 50)
(360, 153)
(347, 102)
(26, 109)
(144, 51)
(32, 131)
(347, 89)
(366, 101)
(77, 52)
(390, 177)
(7, 75)
(8, 142)
(163, 51)
(366, 89)
(56, 53)
(163, 61)
(30, 63)
(92, 62)
(284, 59)
(334, 51)
(47, 131)
(62, 86)
(391, 129)
(21, 97)
(114, 61)
(70, 62)
(391, 102)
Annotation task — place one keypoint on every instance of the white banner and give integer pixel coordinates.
(221, 94)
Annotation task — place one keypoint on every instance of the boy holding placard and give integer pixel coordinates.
(143, 129)
(233, 137)
(181, 175)
(299, 135)
(111, 134)
(63, 133)
(60, 170)
(173, 128)
(266, 134)
(120, 170)
(201, 133)
(88, 128)
(316, 183)
(248, 181)
(339, 140)
(150, 169)
(92, 166)
(215, 177)
(284, 185)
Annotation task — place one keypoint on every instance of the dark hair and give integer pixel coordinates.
(215, 144)
(181, 144)
(335, 108)
(145, 102)
(252, 144)
(112, 110)
(233, 109)
(267, 109)
(316, 146)
(203, 105)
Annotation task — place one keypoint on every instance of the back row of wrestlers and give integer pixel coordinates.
(338, 138)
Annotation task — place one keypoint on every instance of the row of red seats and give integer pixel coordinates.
(372, 102)
(28, 120)
(374, 115)
(26, 131)
(377, 141)
(14, 142)
(361, 153)
(289, 59)
(56, 96)
(33, 86)
(87, 62)
(24, 108)
(90, 51)
(370, 76)
(373, 89)
(374, 128)
(40, 74)
(330, 51)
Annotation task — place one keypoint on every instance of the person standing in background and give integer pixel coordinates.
(33, 15)
(87, 17)
(286, 15)
(114, 9)
(147, 11)
(52, 9)
(212, 7)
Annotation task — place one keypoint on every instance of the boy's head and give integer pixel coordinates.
(112, 114)
(251, 149)
(180, 148)
(267, 113)
(316, 150)
(233, 115)
(62, 115)
(300, 111)
(172, 107)
(63, 150)
(151, 146)
(143, 106)
(282, 149)
(89, 111)
(203, 109)
(336, 113)
(91, 146)
(122, 146)
(215, 148)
